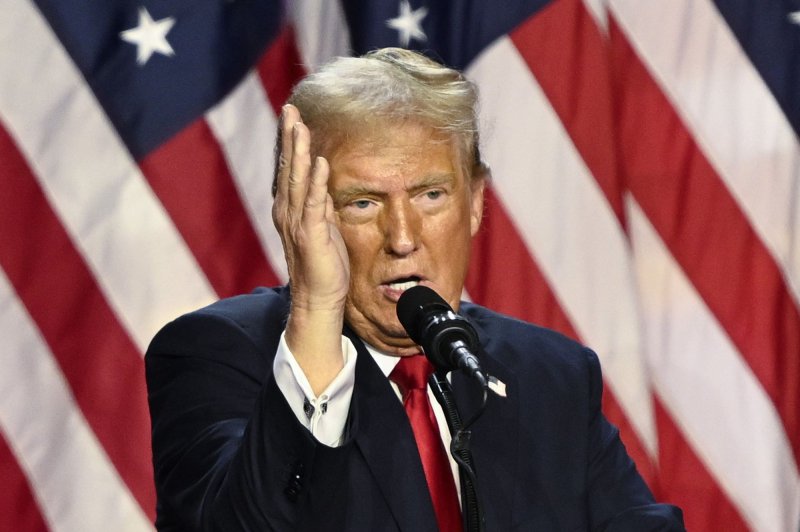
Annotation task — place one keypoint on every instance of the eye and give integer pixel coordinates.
(433, 197)
(358, 210)
(434, 194)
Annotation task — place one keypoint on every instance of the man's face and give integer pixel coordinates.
(407, 214)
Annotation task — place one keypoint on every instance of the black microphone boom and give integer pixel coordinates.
(449, 340)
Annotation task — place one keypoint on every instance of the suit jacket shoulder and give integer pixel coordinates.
(571, 470)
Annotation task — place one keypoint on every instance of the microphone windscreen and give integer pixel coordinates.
(411, 308)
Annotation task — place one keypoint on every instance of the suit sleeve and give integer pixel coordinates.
(228, 452)
(619, 500)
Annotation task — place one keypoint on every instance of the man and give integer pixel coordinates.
(273, 411)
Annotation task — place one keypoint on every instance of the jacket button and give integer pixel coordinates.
(295, 484)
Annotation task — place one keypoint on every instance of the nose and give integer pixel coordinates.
(402, 225)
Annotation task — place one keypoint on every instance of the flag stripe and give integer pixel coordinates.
(191, 178)
(575, 79)
(280, 68)
(685, 481)
(769, 36)
(731, 112)
(537, 56)
(498, 254)
(62, 475)
(597, 9)
(565, 222)
(116, 222)
(710, 392)
(100, 362)
(19, 510)
(716, 247)
(321, 32)
(245, 127)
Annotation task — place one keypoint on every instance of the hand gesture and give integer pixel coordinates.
(319, 268)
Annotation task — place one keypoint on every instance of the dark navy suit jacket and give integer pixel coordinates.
(229, 453)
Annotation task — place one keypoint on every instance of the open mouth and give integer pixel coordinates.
(404, 283)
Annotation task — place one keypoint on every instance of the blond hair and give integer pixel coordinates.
(351, 95)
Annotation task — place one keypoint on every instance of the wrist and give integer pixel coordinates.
(315, 339)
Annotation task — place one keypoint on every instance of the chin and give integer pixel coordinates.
(392, 333)
(396, 333)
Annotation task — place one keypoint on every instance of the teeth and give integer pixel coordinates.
(404, 285)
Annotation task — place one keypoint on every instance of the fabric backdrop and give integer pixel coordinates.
(645, 200)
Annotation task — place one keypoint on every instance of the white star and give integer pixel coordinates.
(149, 36)
(795, 17)
(408, 23)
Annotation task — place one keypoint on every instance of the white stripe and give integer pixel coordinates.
(735, 119)
(597, 8)
(143, 266)
(320, 30)
(245, 126)
(710, 392)
(76, 486)
(566, 223)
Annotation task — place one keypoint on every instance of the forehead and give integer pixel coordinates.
(404, 149)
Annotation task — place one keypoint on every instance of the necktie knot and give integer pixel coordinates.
(412, 373)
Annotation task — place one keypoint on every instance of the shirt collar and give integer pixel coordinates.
(384, 361)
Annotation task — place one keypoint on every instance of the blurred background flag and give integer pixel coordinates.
(645, 199)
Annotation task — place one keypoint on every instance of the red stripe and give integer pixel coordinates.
(708, 234)
(191, 178)
(504, 277)
(280, 68)
(565, 50)
(574, 75)
(687, 483)
(18, 509)
(99, 360)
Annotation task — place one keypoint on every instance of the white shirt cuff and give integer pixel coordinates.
(324, 415)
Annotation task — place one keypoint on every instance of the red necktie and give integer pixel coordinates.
(411, 375)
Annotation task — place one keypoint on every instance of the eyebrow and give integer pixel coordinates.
(434, 180)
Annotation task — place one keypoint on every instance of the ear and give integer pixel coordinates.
(477, 187)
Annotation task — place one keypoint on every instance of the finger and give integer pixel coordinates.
(298, 180)
(289, 117)
(317, 197)
(330, 212)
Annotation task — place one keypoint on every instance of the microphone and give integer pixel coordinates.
(448, 340)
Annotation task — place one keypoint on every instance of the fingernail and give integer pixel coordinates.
(284, 110)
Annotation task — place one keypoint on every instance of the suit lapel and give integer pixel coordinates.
(387, 443)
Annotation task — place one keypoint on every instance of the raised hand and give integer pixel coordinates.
(319, 269)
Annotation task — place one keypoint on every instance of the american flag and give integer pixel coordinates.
(645, 200)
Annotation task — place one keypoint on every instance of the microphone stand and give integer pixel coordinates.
(459, 449)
